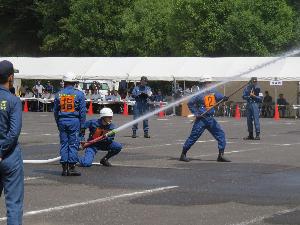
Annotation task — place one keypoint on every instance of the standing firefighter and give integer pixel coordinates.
(70, 114)
(198, 105)
(97, 129)
(141, 94)
(253, 96)
(11, 163)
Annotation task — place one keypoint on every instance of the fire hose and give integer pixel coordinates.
(218, 103)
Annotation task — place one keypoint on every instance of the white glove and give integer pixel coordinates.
(149, 93)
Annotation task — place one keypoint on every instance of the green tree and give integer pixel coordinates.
(51, 13)
(19, 28)
(145, 28)
(197, 27)
(92, 28)
(260, 28)
(232, 27)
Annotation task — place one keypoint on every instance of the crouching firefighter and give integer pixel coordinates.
(202, 107)
(98, 128)
(70, 115)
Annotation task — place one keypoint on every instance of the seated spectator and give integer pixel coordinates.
(267, 105)
(22, 90)
(195, 88)
(282, 105)
(87, 94)
(95, 96)
(109, 96)
(46, 95)
(28, 93)
(158, 97)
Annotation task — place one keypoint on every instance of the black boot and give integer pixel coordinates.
(257, 137)
(104, 160)
(146, 135)
(222, 158)
(72, 171)
(183, 157)
(133, 134)
(250, 137)
(65, 169)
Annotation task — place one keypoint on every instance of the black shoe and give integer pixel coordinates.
(257, 137)
(183, 158)
(222, 158)
(65, 168)
(146, 135)
(249, 138)
(133, 134)
(72, 171)
(104, 162)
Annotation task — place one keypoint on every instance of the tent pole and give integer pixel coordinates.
(174, 108)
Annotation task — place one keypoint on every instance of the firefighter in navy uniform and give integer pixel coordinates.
(141, 94)
(252, 94)
(11, 162)
(97, 128)
(70, 115)
(198, 105)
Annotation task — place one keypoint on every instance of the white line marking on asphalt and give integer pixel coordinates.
(99, 200)
(168, 144)
(47, 134)
(284, 144)
(23, 133)
(162, 119)
(38, 144)
(32, 178)
(228, 152)
(261, 218)
(145, 166)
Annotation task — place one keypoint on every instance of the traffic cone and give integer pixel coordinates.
(90, 112)
(237, 114)
(161, 113)
(25, 106)
(276, 114)
(125, 111)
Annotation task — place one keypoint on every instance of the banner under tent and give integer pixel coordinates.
(155, 68)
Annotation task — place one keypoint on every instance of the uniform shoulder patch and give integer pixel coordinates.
(3, 105)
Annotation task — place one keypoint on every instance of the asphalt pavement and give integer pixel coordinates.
(148, 185)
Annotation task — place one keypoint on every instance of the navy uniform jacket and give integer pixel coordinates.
(97, 129)
(253, 99)
(70, 103)
(204, 101)
(10, 121)
(140, 94)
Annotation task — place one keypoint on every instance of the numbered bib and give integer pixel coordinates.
(209, 101)
(67, 103)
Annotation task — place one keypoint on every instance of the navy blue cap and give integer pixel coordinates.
(144, 78)
(7, 68)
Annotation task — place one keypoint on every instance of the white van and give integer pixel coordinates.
(103, 85)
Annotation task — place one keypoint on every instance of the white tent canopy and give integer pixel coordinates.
(155, 68)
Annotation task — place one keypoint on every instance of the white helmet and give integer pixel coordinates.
(69, 77)
(106, 112)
